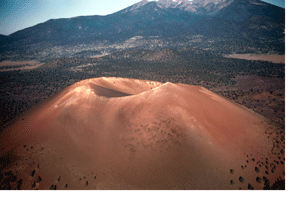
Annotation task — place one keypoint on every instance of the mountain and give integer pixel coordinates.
(3, 39)
(200, 7)
(242, 9)
(252, 23)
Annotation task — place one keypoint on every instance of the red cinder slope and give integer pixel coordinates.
(117, 133)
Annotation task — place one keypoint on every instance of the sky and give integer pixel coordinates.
(19, 14)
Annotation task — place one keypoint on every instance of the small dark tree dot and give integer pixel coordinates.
(258, 179)
(241, 179)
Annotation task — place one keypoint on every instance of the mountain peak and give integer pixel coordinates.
(201, 2)
(175, 1)
(139, 4)
(201, 7)
(172, 3)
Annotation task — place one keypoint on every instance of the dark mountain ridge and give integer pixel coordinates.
(3, 39)
(249, 22)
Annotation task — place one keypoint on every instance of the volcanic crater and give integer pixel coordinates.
(120, 133)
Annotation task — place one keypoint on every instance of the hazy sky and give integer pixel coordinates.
(19, 14)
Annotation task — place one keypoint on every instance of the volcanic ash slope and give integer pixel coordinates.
(117, 133)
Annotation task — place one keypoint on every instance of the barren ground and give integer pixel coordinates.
(270, 58)
(117, 133)
(8, 65)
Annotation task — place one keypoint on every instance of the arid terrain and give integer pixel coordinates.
(270, 58)
(8, 65)
(263, 95)
(119, 133)
(157, 126)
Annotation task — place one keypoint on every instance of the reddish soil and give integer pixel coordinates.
(118, 133)
(263, 95)
(23, 65)
(270, 58)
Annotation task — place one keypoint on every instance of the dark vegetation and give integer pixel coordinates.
(20, 90)
(278, 185)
